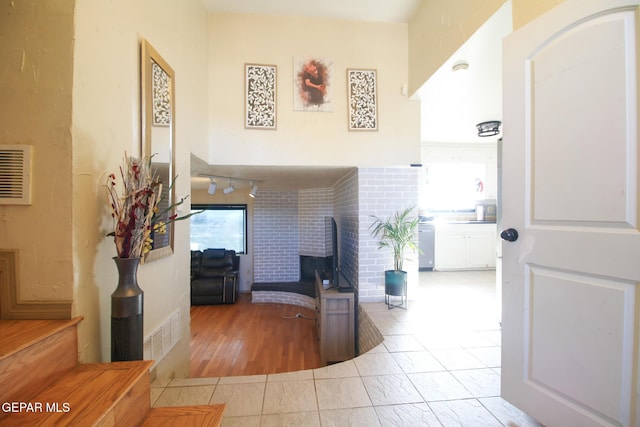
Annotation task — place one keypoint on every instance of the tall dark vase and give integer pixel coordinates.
(127, 313)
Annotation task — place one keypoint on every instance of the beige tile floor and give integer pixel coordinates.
(439, 365)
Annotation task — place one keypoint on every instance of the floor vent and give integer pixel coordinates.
(15, 174)
(162, 339)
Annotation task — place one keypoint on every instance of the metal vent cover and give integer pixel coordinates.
(15, 174)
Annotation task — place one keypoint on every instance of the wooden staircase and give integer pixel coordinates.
(42, 384)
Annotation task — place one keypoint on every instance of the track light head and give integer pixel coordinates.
(212, 187)
(229, 189)
(254, 190)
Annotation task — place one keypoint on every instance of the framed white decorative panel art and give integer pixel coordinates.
(363, 99)
(161, 95)
(260, 96)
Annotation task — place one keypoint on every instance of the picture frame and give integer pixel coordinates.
(312, 84)
(260, 96)
(362, 93)
(157, 104)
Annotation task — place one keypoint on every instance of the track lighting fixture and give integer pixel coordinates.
(229, 189)
(212, 187)
(253, 184)
(254, 190)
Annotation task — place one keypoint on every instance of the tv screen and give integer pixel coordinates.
(331, 243)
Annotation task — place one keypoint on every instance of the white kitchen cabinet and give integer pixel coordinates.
(466, 246)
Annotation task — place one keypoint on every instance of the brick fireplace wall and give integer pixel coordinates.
(276, 236)
(288, 224)
(313, 206)
(382, 192)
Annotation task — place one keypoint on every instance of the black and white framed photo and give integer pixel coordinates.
(363, 99)
(260, 96)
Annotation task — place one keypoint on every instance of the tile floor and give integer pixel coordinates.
(439, 365)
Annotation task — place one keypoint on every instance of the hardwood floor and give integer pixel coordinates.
(251, 339)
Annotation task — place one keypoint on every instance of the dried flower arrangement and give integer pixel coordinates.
(135, 212)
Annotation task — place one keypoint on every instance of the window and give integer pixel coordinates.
(455, 186)
(219, 226)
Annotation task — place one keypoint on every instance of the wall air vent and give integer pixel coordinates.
(15, 174)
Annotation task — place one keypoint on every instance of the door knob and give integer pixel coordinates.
(510, 235)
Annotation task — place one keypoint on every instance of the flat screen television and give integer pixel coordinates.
(331, 242)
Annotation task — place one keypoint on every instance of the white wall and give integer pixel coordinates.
(309, 138)
(36, 57)
(106, 123)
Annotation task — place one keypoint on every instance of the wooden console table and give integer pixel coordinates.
(335, 321)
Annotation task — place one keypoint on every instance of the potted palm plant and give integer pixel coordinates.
(398, 232)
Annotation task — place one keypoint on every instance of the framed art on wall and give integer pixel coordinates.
(363, 99)
(158, 138)
(312, 84)
(260, 96)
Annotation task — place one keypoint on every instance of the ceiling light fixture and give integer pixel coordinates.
(461, 65)
(229, 189)
(253, 186)
(212, 187)
(489, 128)
(254, 190)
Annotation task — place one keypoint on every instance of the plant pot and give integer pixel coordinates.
(395, 285)
(395, 282)
(127, 313)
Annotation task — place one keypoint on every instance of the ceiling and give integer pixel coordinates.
(452, 103)
(359, 10)
(267, 177)
(448, 114)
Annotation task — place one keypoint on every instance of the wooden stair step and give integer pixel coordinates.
(34, 353)
(16, 335)
(97, 394)
(174, 416)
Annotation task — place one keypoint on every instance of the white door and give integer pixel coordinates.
(570, 189)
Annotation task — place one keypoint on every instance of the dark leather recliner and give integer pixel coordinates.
(214, 277)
